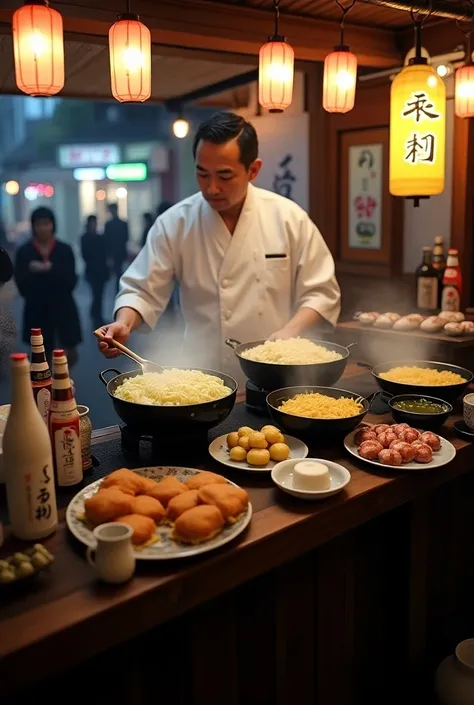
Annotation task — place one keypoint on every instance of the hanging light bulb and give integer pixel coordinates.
(130, 59)
(276, 71)
(464, 84)
(38, 48)
(417, 129)
(180, 128)
(340, 74)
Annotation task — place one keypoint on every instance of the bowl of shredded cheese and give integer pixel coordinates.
(318, 410)
(424, 377)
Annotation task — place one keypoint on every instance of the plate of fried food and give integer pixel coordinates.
(174, 512)
(399, 445)
(256, 450)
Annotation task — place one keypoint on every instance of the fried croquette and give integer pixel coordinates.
(181, 503)
(143, 527)
(149, 507)
(107, 505)
(229, 499)
(166, 489)
(204, 478)
(126, 480)
(199, 524)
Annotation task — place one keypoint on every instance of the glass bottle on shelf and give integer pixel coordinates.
(452, 283)
(40, 374)
(427, 283)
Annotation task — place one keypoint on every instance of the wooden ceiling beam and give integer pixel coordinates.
(439, 37)
(211, 26)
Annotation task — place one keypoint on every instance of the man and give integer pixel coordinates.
(116, 239)
(250, 264)
(97, 273)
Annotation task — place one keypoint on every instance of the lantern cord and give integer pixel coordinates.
(276, 7)
(344, 11)
(418, 19)
(467, 31)
(129, 9)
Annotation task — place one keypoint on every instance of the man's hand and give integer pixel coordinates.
(119, 331)
(303, 320)
(284, 333)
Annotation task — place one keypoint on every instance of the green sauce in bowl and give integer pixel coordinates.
(420, 406)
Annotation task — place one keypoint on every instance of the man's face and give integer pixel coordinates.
(43, 229)
(221, 176)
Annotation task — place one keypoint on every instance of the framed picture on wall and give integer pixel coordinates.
(364, 222)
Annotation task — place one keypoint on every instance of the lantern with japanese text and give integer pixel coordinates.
(38, 48)
(276, 71)
(130, 59)
(417, 132)
(339, 83)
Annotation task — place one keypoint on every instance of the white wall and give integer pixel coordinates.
(433, 217)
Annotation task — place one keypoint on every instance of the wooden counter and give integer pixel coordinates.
(326, 600)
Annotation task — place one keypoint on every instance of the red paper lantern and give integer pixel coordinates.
(339, 83)
(275, 76)
(130, 59)
(464, 91)
(38, 48)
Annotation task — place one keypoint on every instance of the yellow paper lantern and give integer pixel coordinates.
(38, 48)
(275, 75)
(130, 59)
(339, 82)
(417, 132)
(464, 92)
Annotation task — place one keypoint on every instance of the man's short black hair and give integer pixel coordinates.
(223, 127)
(43, 213)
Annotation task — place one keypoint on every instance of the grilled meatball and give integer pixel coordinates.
(431, 440)
(405, 449)
(386, 438)
(390, 457)
(369, 450)
(381, 428)
(365, 434)
(409, 435)
(424, 454)
(397, 428)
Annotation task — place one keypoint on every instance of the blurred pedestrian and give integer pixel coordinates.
(94, 255)
(116, 240)
(147, 223)
(7, 323)
(45, 274)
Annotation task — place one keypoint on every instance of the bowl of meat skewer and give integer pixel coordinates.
(399, 446)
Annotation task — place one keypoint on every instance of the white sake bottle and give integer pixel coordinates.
(28, 461)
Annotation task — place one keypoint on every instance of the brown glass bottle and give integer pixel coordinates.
(427, 283)
(40, 374)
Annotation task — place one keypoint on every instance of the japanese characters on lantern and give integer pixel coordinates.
(417, 132)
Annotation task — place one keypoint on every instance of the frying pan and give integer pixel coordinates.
(189, 418)
(271, 376)
(447, 393)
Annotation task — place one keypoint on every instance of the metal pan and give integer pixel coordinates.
(190, 418)
(447, 393)
(271, 376)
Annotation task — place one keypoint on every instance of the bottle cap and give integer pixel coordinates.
(36, 331)
(58, 353)
(452, 251)
(426, 249)
(18, 357)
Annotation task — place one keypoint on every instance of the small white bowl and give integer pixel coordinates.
(282, 476)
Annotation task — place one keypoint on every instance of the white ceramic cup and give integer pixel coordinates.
(468, 406)
(113, 556)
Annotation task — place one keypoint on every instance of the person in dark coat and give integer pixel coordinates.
(94, 255)
(147, 223)
(45, 274)
(7, 323)
(116, 239)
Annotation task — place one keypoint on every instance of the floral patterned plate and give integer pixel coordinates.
(165, 548)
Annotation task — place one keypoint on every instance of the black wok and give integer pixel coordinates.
(316, 427)
(170, 419)
(447, 393)
(271, 376)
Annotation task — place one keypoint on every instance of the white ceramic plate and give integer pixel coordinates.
(165, 548)
(220, 452)
(441, 457)
(282, 476)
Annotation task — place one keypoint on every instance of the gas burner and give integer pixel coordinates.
(165, 449)
(256, 398)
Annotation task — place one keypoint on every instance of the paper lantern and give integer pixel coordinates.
(130, 59)
(180, 128)
(275, 76)
(417, 132)
(339, 82)
(464, 92)
(38, 48)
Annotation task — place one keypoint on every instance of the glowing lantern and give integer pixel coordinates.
(417, 132)
(180, 128)
(12, 188)
(130, 59)
(276, 70)
(38, 48)
(464, 91)
(339, 83)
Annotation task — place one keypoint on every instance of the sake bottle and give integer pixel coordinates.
(64, 426)
(28, 461)
(40, 374)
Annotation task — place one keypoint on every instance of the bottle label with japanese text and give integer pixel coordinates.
(43, 402)
(67, 453)
(427, 294)
(35, 501)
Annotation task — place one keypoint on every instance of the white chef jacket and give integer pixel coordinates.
(230, 285)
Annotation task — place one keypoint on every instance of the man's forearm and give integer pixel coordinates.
(129, 317)
(302, 320)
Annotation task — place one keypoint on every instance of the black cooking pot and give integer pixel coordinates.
(447, 393)
(271, 376)
(190, 418)
(316, 427)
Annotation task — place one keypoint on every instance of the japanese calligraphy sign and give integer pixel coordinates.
(417, 132)
(365, 196)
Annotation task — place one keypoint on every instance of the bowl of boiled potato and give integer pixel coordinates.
(257, 448)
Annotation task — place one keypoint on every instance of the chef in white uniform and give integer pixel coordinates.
(250, 264)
